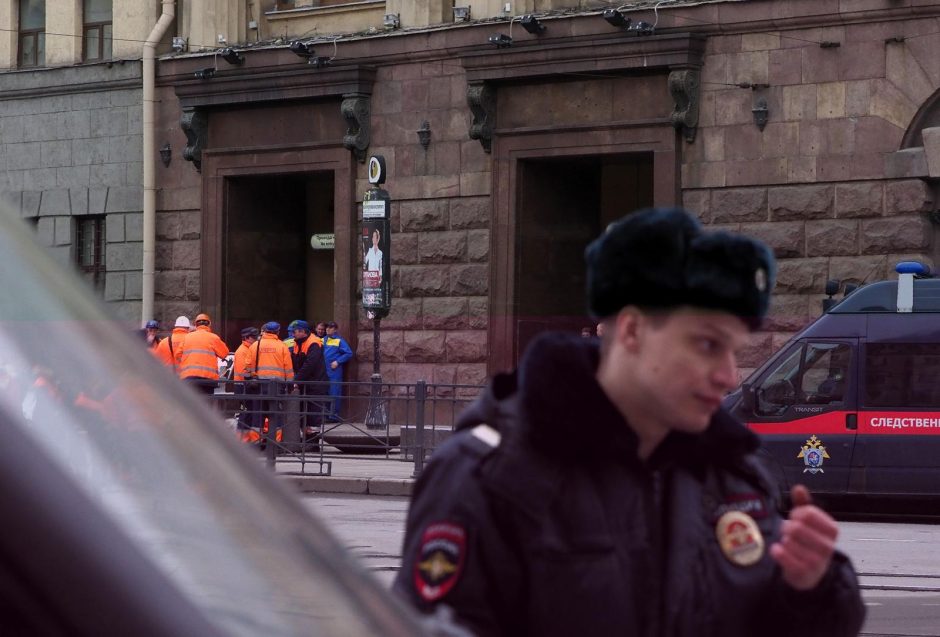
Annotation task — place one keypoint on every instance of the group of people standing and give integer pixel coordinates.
(306, 356)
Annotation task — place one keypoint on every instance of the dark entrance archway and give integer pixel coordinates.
(270, 270)
(563, 204)
(260, 209)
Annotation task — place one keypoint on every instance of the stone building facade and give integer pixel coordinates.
(70, 139)
(533, 147)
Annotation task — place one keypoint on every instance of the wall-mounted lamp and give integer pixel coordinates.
(501, 40)
(391, 21)
(461, 14)
(180, 44)
(616, 19)
(165, 154)
(305, 50)
(642, 28)
(301, 49)
(205, 74)
(232, 56)
(761, 112)
(531, 24)
(424, 135)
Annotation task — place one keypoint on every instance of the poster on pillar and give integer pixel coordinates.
(376, 253)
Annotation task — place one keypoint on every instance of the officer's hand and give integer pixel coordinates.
(334, 365)
(807, 542)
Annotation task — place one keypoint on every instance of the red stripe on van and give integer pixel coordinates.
(905, 423)
(831, 422)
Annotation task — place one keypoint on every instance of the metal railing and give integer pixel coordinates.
(304, 426)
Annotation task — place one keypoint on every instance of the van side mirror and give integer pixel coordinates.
(832, 287)
(747, 398)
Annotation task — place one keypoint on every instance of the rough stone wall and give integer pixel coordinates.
(70, 143)
(179, 221)
(437, 329)
(813, 183)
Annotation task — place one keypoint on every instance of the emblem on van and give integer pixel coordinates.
(813, 454)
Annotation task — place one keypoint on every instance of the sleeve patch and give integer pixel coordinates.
(441, 558)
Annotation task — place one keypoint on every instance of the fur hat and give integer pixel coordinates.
(662, 258)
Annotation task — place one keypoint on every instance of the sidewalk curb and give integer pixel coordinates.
(352, 486)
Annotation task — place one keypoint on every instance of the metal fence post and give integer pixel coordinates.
(271, 412)
(421, 393)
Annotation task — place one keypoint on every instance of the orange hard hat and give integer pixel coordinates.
(202, 317)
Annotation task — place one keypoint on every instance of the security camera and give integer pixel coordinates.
(204, 74)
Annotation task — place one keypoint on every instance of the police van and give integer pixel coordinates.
(851, 405)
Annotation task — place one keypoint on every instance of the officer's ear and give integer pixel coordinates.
(628, 328)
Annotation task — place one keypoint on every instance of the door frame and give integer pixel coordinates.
(220, 164)
(657, 137)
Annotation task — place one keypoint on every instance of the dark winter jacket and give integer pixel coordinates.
(554, 526)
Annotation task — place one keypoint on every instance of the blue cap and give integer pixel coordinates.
(152, 324)
(271, 326)
(300, 324)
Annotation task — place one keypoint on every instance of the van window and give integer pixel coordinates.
(902, 375)
(816, 374)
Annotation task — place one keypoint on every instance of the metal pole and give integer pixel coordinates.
(270, 437)
(421, 392)
(377, 413)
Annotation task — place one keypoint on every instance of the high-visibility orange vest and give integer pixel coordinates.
(273, 359)
(200, 350)
(169, 350)
(241, 361)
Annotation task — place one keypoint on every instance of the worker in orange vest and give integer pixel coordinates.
(198, 355)
(242, 354)
(169, 349)
(269, 360)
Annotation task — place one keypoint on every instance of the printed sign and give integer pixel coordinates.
(323, 241)
(376, 253)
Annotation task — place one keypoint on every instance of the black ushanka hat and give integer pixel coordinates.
(661, 258)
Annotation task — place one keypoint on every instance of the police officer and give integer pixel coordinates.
(601, 489)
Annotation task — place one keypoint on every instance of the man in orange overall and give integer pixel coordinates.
(269, 360)
(200, 349)
(169, 350)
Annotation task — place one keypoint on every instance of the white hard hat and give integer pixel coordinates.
(182, 321)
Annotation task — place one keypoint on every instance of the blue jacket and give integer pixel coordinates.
(335, 348)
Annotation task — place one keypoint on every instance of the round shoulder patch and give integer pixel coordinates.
(740, 538)
(441, 557)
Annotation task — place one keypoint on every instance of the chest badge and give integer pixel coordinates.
(440, 560)
(740, 538)
(813, 454)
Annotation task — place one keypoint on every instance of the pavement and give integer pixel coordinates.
(349, 473)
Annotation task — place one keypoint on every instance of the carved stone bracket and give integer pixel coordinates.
(195, 124)
(684, 87)
(481, 97)
(357, 111)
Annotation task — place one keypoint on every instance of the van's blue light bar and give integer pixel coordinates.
(912, 267)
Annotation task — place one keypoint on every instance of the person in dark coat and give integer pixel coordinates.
(600, 489)
(312, 373)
